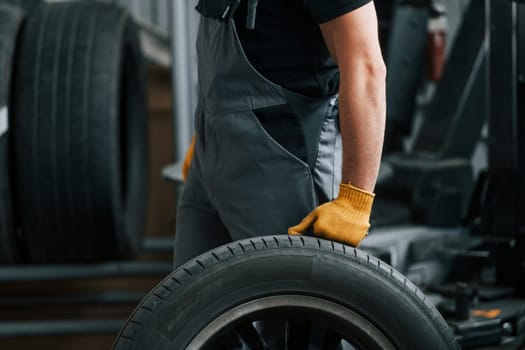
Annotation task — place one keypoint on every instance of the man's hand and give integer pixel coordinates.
(188, 159)
(345, 219)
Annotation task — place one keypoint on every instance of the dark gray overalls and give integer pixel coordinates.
(241, 182)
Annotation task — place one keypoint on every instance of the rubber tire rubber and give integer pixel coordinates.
(10, 22)
(219, 280)
(26, 6)
(79, 133)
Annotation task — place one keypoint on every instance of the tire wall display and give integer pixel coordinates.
(10, 22)
(79, 133)
(201, 302)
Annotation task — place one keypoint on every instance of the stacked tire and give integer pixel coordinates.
(77, 133)
(10, 23)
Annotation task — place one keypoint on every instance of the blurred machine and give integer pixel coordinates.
(468, 255)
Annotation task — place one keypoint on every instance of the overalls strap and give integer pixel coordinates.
(225, 9)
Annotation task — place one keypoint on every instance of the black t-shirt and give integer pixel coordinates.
(286, 45)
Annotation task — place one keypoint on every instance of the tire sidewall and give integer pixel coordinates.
(130, 206)
(383, 301)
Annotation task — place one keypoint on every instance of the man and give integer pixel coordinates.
(281, 83)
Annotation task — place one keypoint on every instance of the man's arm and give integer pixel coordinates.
(353, 43)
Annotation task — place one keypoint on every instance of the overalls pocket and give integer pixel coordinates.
(276, 145)
(284, 127)
(258, 186)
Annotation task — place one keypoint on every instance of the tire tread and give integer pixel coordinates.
(66, 131)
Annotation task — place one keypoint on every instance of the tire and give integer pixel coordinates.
(79, 133)
(10, 22)
(26, 6)
(338, 291)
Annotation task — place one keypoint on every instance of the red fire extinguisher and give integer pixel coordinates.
(437, 40)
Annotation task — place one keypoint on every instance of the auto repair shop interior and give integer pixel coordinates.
(97, 102)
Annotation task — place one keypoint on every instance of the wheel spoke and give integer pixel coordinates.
(252, 338)
(297, 335)
(323, 339)
(331, 341)
(346, 346)
(229, 341)
(272, 332)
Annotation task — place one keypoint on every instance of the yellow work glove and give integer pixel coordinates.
(345, 219)
(187, 159)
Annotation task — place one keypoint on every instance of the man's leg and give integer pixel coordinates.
(198, 227)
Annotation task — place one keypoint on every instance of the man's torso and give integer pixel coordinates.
(287, 47)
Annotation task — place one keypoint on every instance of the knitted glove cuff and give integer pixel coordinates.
(357, 200)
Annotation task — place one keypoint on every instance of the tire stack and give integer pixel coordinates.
(73, 139)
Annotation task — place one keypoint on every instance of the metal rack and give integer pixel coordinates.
(9, 275)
